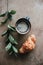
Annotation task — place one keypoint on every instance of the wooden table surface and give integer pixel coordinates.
(33, 9)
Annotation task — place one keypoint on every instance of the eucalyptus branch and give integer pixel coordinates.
(8, 16)
(10, 42)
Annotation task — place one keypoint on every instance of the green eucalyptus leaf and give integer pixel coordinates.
(4, 21)
(9, 16)
(12, 40)
(2, 15)
(11, 28)
(4, 33)
(15, 49)
(12, 12)
(8, 47)
(7, 41)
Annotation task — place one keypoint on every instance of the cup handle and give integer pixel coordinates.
(27, 18)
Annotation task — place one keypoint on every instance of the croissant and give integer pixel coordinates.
(28, 45)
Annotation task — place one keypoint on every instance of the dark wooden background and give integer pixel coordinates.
(33, 9)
